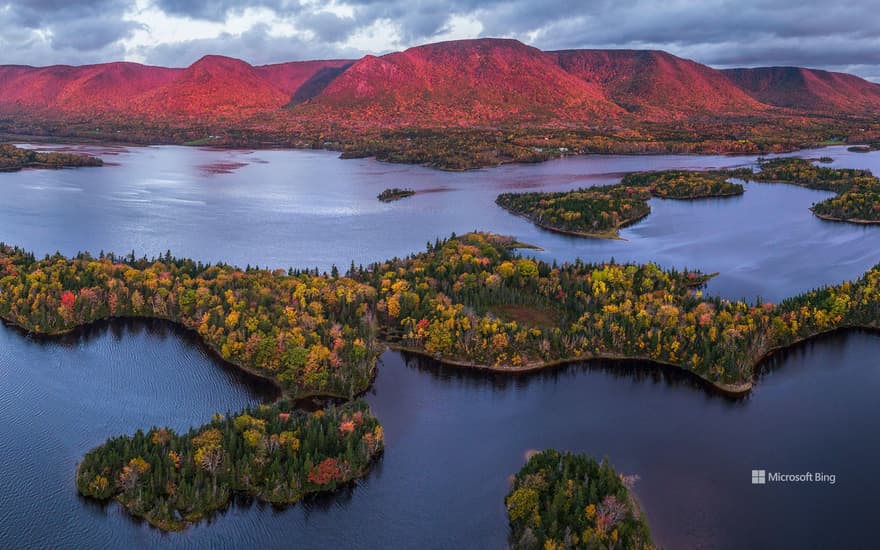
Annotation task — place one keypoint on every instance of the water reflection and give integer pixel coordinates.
(454, 436)
(639, 372)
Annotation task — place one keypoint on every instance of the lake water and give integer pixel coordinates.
(453, 437)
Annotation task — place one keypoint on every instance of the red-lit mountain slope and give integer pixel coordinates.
(78, 90)
(658, 85)
(808, 89)
(214, 86)
(466, 82)
(289, 77)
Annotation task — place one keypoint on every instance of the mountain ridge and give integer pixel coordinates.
(458, 83)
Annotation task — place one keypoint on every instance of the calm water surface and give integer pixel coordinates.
(453, 437)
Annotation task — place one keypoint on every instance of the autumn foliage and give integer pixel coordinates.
(858, 191)
(173, 479)
(600, 211)
(321, 334)
(563, 500)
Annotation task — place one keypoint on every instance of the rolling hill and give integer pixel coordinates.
(808, 89)
(658, 85)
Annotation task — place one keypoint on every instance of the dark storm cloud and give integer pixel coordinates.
(44, 32)
(838, 36)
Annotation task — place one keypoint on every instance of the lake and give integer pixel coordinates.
(453, 437)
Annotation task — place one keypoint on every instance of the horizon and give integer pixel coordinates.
(176, 33)
(485, 38)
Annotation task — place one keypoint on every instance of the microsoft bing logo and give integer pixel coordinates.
(759, 477)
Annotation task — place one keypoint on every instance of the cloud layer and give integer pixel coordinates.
(721, 33)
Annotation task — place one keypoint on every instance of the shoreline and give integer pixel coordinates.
(857, 221)
(604, 235)
(729, 389)
(734, 390)
(114, 141)
(297, 399)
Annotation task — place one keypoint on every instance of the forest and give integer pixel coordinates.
(858, 191)
(469, 300)
(14, 158)
(442, 303)
(272, 452)
(564, 500)
(309, 333)
(600, 211)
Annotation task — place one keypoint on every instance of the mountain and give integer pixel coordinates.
(213, 86)
(481, 83)
(463, 82)
(656, 84)
(808, 89)
(289, 77)
(82, 90)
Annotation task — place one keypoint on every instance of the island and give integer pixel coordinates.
(599, 212)
(858, 191)
(564, 500)
(14, 158)
(395, 194)
(272, 453)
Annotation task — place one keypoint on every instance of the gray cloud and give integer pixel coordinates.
(255, 45)
(42, 32)
(725, 33)
(219, 10)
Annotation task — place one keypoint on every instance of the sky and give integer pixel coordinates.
(842, 36)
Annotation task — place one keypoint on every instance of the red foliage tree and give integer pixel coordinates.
(325, 472)
(68, 299)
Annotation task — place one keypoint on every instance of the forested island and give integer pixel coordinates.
(14, 158)
(600, 211)
(563, 500)
(858, 191)
(272, 452)
(395, 194)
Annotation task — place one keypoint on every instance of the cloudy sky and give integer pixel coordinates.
(841, 35)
